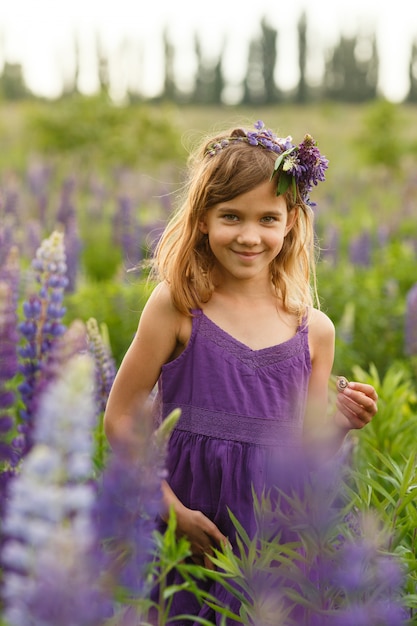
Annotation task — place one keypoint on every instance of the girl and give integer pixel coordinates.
(231, 336)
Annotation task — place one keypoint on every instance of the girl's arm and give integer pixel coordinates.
(153, 345)
(161, 331)
(355, 405)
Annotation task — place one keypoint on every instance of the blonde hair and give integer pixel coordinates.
(183, 257)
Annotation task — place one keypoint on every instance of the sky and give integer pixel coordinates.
(40, 35)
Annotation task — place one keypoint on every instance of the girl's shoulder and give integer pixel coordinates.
(320, 327)
(160, 311)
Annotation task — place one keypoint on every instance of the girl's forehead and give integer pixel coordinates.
(263, 193)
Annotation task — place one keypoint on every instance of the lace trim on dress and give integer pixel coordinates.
(240, 428)
(252, 358)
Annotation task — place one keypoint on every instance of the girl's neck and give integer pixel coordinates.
(242, 290)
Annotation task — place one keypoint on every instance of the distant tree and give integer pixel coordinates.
(103, 67)
(302, 88)
(412, 73)
(71, 82)
(259, 85)
(209, 81)
(12, 83)
(269, 38)
(352, 75)
(253, 86)
(219, 82)
(170, 89)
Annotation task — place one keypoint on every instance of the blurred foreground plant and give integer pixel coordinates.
(314, 561)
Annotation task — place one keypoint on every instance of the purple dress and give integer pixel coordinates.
(241, 408)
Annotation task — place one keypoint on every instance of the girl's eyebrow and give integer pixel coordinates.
(226, 208)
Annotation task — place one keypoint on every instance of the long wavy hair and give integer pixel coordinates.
(183, 257)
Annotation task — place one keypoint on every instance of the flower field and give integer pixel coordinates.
(78, 542)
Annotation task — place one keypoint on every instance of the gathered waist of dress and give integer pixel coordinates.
(239, 428)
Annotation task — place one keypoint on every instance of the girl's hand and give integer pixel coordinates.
(202, 534)
(356, 405)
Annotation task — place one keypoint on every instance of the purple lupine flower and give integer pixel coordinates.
(6, 241)
(105, 367)
(72, 243)
(49, 577)
(410, 339)
(42, 325)
(330, 249)
(360, 249)
(33, 238)
(127, 231)
(66, 209)
(128, 504)
(10, 451)
(342, 568)
(38, 176)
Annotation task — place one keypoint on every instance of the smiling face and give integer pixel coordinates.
(246, 233)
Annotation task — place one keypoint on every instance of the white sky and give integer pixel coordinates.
(40, 35)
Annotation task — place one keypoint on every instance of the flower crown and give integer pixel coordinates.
(300, 166)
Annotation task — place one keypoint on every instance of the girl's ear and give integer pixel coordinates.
(291, 219)
(202, 226)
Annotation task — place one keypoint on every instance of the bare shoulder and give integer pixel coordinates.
(161, 315)
(321, 332)
(320, 324)
(160, 305)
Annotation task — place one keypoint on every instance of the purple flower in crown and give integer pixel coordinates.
(42, 325)
(301, 166)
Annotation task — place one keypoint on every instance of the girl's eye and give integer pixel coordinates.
(269, 219)
(230, 217)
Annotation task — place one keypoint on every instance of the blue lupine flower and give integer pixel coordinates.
(105, 365)
(42, 324)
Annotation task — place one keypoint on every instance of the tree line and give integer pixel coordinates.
(351, 73)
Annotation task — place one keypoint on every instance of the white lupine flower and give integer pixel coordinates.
(48, 523)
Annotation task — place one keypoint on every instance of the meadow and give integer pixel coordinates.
(85, 189)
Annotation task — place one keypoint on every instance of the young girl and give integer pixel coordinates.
(231, 336)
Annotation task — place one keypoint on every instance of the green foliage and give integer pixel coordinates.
(95, 130)
(117, 304)
(100, 258)
(367, 305)
(385, 477)
(172, 553)
(380, 140)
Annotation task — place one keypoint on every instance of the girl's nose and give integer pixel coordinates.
(248, 236)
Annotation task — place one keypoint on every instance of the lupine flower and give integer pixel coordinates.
(128, 504)
(410, 340)
(42, 325)
(105, 366)
(360, 250)
(127, 231)
(9, 448)
(330, 249)
(72, 244)
(38, 176)
(331, 568)
(49, 576)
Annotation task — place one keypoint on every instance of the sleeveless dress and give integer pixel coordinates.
(241, 410)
